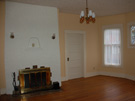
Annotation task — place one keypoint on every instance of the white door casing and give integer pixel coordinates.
(75, 42)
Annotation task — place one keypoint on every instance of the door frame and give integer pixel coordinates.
(84, 47)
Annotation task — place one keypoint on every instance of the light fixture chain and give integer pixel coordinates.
(86, 4)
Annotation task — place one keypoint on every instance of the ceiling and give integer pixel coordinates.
(100, 7)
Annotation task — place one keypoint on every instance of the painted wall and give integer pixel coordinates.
(2, 43)
(129, 52)
(71, 22)
(128, 55)
(31, 22)
(94, 44)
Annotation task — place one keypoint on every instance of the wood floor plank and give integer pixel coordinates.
(98, 88)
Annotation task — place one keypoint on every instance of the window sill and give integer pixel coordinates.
(114, 66)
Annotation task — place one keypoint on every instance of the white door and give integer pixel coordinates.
(74, 54)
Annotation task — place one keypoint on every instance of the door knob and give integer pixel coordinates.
(68, 59)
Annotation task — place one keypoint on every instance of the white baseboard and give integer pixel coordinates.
(130, 77)
(2, 91)
(63, 79)
(86, 75)
(120, 75)
(91, 74)
(112, 74)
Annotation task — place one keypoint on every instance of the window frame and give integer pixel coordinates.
(116, 26)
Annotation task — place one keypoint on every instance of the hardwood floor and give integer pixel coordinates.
(98, 88)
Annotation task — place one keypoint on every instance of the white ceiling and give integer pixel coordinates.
(100, 7)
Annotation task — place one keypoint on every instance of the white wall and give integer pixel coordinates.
(27, 21)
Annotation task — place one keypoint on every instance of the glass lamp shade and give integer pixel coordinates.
(93, 15)
(90, 13)
(82, 14)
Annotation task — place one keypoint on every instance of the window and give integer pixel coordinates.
(112, 46)
(131, 35)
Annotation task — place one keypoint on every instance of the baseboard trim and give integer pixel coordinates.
(2, 91)
(112, 74)
(130, 77)
(120, 75)
(91, 74)
(63, 79)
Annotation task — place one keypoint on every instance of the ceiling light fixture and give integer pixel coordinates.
(90, 16)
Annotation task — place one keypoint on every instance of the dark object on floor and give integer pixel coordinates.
(16, 88)
(16, 93)
(14, 82)
(56, 85)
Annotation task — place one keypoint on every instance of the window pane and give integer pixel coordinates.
(108, 54)
(112, 36)
(115, 55)
(107, 37)
(115, 36)
(133, 35)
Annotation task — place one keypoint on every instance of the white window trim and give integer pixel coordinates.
(115, 26)
(129, 34)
